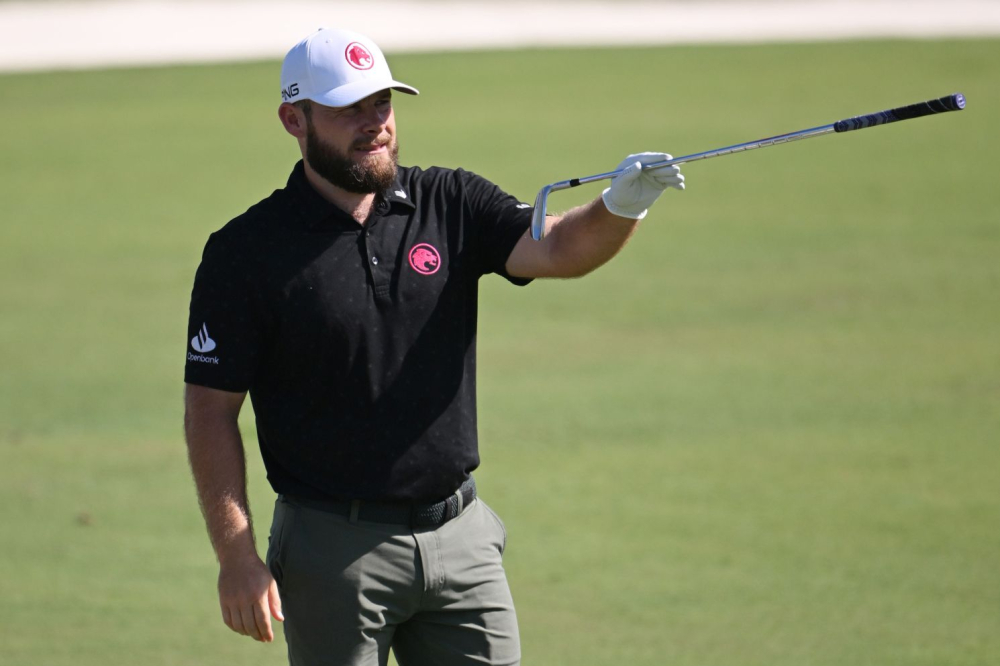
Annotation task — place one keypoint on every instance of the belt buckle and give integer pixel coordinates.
(454, 505)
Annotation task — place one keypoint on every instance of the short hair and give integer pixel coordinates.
(305, 106)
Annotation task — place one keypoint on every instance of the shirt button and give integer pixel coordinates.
(375, 260)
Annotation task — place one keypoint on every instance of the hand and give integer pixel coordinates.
(634, 191)
(247, 591)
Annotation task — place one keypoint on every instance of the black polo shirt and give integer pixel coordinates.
(357, 343)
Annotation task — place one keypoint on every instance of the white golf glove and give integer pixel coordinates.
(633, 192)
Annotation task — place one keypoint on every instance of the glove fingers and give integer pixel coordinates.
(676, 181)
(664, 178)
(663, 173)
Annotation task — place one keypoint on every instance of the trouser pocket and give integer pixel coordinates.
(500, 526)
(277, 540)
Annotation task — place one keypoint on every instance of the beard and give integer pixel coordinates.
(372, 175)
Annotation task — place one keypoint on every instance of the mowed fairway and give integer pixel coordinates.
(767, 434)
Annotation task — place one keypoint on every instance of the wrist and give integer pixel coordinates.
(239, 549)
(236, 558)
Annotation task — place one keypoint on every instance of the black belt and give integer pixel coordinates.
(396, 513)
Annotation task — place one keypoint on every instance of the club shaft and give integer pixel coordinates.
(718, 152)
(954, 102)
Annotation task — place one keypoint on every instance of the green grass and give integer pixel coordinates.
(764, 435)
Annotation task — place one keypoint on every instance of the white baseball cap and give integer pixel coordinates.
(336, 68)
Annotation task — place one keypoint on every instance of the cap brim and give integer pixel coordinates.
(350, 93)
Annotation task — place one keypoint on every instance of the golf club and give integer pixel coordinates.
(954, 102)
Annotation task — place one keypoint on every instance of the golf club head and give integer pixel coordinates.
(538, 215)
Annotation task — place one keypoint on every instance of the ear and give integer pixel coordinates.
(293, 120)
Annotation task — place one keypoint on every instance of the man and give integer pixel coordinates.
(345, 304)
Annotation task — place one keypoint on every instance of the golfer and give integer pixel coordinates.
(345, 304)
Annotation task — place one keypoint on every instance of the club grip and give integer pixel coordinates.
(954, 102)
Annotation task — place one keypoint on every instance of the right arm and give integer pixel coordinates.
(584, 238)
(247, 591)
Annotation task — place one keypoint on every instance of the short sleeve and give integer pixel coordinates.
(226, 326)
(500, 221)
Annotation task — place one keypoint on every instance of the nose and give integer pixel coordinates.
(375, 119)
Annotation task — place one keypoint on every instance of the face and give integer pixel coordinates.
(354, 147)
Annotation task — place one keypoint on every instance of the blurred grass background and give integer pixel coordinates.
(765, 434)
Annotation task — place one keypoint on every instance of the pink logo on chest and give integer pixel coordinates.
(425, 259)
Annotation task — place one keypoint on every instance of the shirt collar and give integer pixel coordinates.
(317, 212)
(397, 194)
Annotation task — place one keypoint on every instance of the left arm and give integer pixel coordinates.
(585, 238)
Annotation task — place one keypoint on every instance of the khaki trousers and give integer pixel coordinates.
(351, 591)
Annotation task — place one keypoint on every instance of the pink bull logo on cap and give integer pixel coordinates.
(358, 56)
(425, 259)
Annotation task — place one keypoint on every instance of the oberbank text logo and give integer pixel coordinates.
(203, 344)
